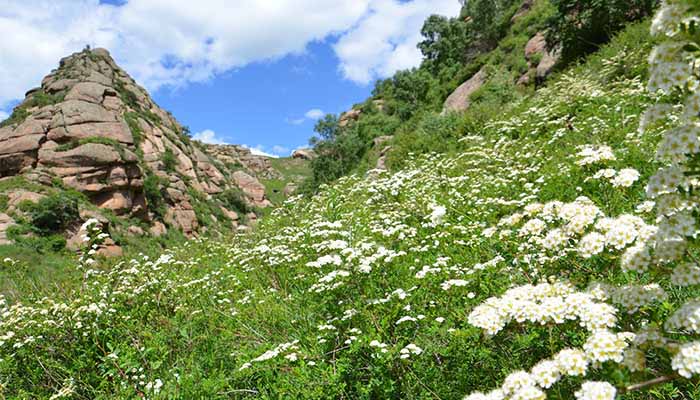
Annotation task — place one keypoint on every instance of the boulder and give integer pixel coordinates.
(185, 220)
(158, 229)
(459, 99)
(304, 154)
(135, 230)
(110, 249)
(536, 45)
(547, 64)
(253, 189)
(349, 116)
(119, 201)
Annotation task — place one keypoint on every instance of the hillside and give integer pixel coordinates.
(91, 143)
(542, 253)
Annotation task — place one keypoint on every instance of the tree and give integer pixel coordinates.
(581, 26)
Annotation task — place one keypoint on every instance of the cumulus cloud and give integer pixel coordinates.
(280, 150)
(192, 41)
(385, 39)
(314, 114)
(259, 150)
(195, 41)
(208, 136)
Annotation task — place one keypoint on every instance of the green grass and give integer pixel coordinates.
(296, 308)
(292, 171)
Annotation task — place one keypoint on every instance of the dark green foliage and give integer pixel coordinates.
(53, 213)
(153, 187)
(445, 40)
(25, 236)
(132, 119)
(92, 139)
(170, 161)
(454, 49)
(581, 26)
(234, 200)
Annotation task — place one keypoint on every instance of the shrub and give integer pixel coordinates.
(153, 187)
(53, 213)
(234, 200)
(581, 26)
(170, 161)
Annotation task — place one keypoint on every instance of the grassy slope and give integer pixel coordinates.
(292, 170)
(195, 317)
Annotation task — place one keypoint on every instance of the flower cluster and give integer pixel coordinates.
(542, 304)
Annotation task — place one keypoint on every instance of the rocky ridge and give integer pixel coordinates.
(91, 128)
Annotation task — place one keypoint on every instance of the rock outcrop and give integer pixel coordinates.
(92, 128)
(541, 61)
(304, 154)
(459, 99)
(234, 156)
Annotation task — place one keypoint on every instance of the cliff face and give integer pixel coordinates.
(92, 128)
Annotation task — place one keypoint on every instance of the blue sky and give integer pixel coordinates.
(235, 71)
(264, 104)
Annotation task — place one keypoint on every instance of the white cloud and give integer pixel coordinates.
(259, 150)
(191, 41)
(208, 136)
(280, 150)
(314, 114)
(385, 39)
(4, 115)
(194, 41)
(297, 121)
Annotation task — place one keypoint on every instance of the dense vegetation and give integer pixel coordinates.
(408, 105)
(516, 261)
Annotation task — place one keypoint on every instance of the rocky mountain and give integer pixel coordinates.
(91, 128)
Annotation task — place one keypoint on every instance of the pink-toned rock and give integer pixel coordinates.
(59, 85)
(136, 230)
(74, 112)
(21, 144)
(349, 116)
(118, 201)
(185, 220)
(113, 103)
(87, 91)
(304, 154)
(459, 99)
(110, 249)
(158, 229)
(252, 188)
(536, 45)
(15, 197)
(86, 155)
(118, 131)
(547, 64)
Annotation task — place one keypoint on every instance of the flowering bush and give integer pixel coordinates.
(504, 271)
